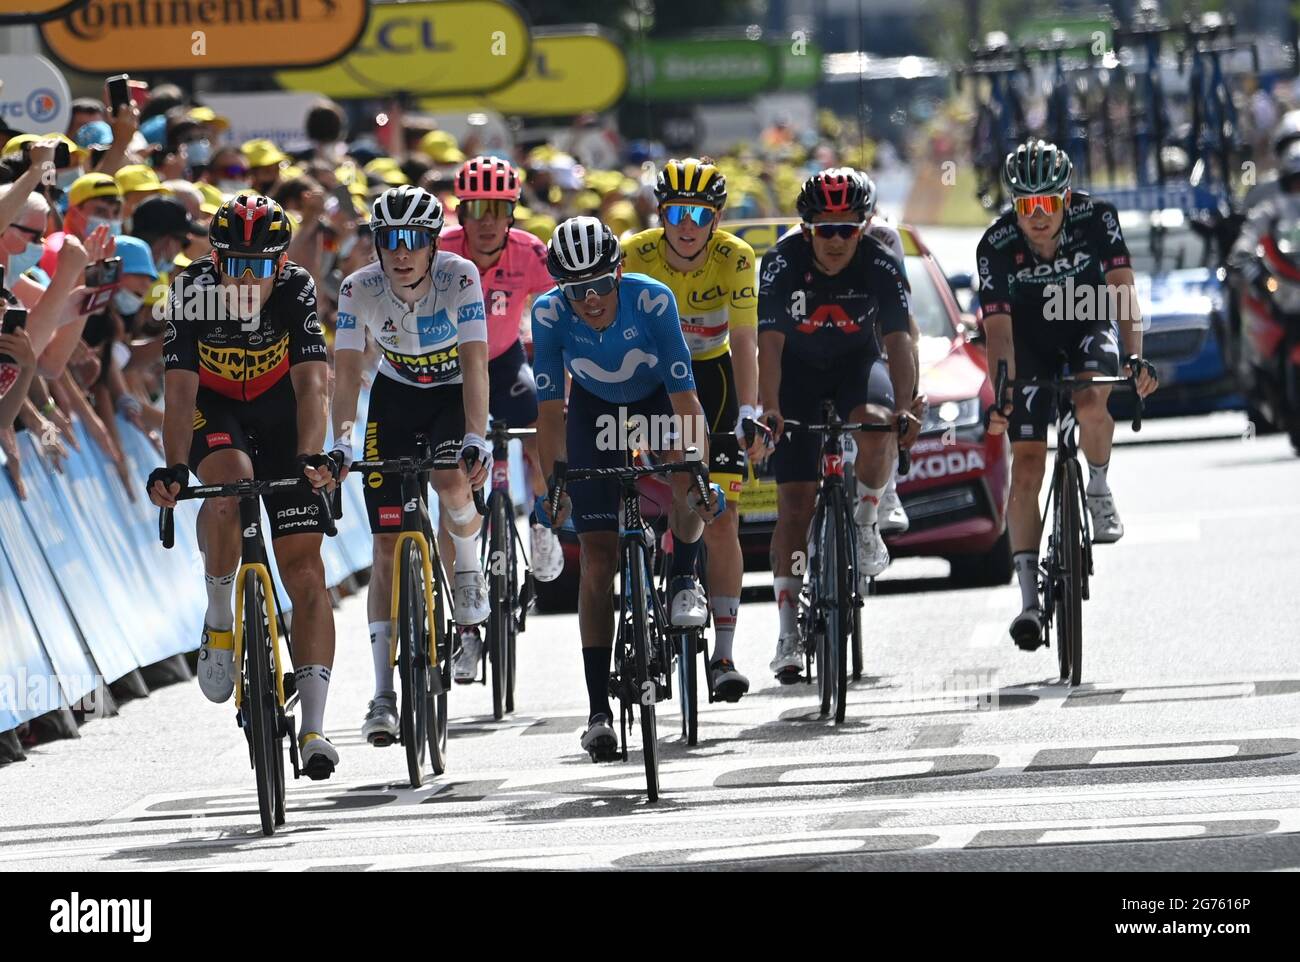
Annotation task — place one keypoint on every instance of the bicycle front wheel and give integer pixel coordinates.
(840, 623)
(688, 683)
(641, 641)
(260, 700)
(412, 642)
(1069, 610)
(439, 677)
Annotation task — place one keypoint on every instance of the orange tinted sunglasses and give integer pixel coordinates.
(1047, 203)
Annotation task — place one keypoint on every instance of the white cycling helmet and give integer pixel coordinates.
(407, 206)
(582, 247)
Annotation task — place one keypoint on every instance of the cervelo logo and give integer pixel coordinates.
(942, 465)
(77, 916)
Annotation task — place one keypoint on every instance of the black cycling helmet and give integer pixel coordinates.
(1288, 164)
(582, 247)
(250, 224)
(691, 181)
(837, 190)
(1287, 132)
(1036, 167)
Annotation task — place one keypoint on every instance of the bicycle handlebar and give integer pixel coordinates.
(1062, 385)
(562, 474)
(248, 488)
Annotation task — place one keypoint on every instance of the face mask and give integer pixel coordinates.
(127, 302)
(231, 186)
(64, 178)
(200, 152)
(164, 267)
(114, 226)
(25, 259)
(346, 246)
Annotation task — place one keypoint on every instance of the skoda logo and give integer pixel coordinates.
(42, 105)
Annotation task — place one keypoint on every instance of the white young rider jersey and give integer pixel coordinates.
(420, 342)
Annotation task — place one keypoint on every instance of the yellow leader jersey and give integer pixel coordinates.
(721, 295)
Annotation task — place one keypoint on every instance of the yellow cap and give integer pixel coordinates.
(15, 144)
(292, 171)
(262, 153)
(441, 147)
(206, 115)
(89, 186)
(212, 197)
(138, 178)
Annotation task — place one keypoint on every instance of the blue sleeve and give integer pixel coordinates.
(548, 349)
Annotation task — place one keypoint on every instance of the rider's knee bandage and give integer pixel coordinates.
(462, 515)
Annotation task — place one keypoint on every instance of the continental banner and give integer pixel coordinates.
(35, 11)
(572, 70)
(139, 36)
(433, 48)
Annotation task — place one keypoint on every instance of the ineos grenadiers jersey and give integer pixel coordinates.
(236, 358)
(826, 318)
(884, 233)
(1015, 281)
(420, 342)
(627, 361)
(712, 300)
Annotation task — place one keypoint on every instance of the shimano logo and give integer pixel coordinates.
(77, 916)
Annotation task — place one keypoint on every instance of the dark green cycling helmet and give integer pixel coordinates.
(1036, 167)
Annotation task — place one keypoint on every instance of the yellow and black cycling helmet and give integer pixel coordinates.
(694, 180)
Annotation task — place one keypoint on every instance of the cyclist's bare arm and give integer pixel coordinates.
(1001, 348)
(1130, 311)
(551, 443)
(310, 386)
(180, 390)
(744, 363)
(770, 346)
(348, 364)
(474, 371)
(686, 405)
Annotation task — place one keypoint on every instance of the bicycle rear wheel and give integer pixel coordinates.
(841, 621)
(412, 663)
(1071, 597)
(439, 678)
(688, 682)
(517, 603)
(501, 607)
(259, 700)
(645, 685)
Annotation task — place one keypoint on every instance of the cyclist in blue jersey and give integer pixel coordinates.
(620, 340)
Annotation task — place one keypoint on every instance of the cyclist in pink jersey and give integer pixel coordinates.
(512, 265)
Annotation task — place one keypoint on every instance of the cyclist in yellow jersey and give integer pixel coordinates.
(712, 275)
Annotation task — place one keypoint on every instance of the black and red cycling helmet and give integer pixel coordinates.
(838, 190)
(250, 224)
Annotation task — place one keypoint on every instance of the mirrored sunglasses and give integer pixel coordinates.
(412, 238)
(600, 286)
(237, 265)
(676, 213)
(1047, 203)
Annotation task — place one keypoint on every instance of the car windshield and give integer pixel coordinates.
(1163, 241)
(928, 306)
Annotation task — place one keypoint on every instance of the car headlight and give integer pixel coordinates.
(952, 414)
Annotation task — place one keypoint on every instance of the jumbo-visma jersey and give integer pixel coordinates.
(721, 295)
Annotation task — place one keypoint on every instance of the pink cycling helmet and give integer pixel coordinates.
(487, 178)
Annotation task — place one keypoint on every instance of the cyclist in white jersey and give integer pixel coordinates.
(424, 308)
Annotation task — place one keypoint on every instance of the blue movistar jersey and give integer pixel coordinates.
(626, 361)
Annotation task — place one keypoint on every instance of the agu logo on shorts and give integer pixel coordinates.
(218, 438)
(390, 516)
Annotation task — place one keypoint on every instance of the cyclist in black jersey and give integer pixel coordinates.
(1055, 280)
(246, 397)
(826, 302)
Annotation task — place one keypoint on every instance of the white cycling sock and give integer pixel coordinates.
(787, 603)
(865, 513)
(220, 614)
(313, 683)
(466, 552)
(724, 626)
(1026, 563)
(1097, 484)
(381, 635)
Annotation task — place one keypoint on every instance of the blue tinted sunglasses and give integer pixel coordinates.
(412, 238)
(600, 286)
(837, 230)
(237, 265)
(676, 213)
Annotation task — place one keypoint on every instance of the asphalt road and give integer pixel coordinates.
(1180, 752)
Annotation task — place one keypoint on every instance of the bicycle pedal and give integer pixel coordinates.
(730, 692)
(319, 769)
(381, 740)
(789, 676)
